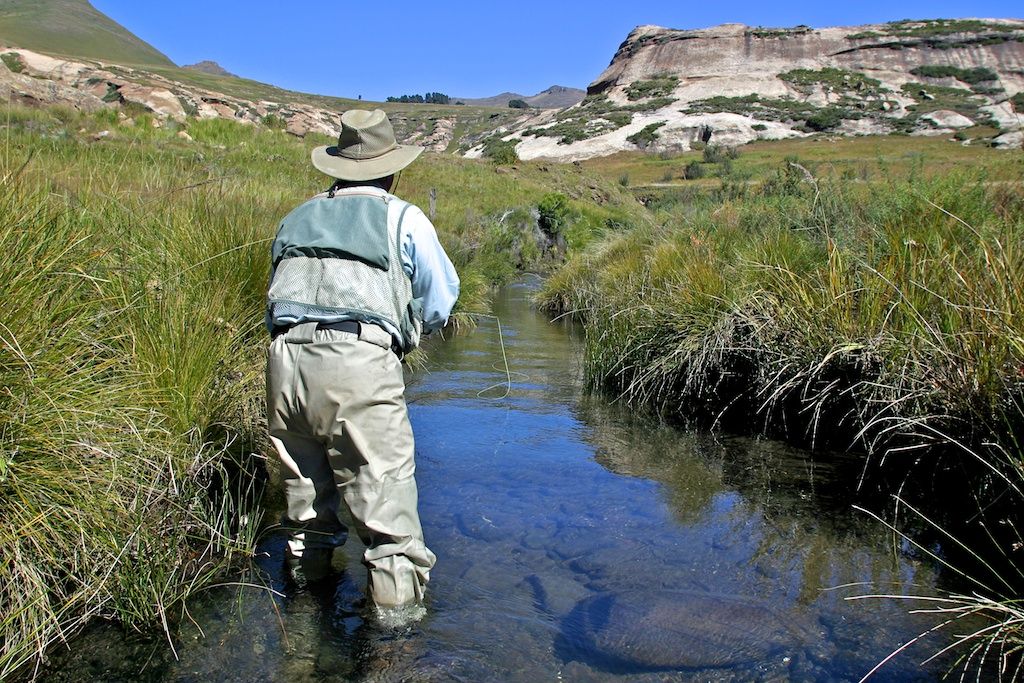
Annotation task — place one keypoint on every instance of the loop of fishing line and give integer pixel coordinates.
(504, 357)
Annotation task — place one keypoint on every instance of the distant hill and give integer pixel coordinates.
(555, 97)
(73, 28)
(209, 67)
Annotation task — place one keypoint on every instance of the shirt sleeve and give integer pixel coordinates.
(431, 272)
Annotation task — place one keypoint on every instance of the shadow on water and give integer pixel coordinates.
(578, 541)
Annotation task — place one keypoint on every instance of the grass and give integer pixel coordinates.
(131, 354)
(918, 306)
(861, 158)
(880, 316)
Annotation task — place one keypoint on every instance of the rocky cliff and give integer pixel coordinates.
(666, 89)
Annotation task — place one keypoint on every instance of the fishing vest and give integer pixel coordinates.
(338, 259)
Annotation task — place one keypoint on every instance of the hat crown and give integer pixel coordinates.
(365, 134)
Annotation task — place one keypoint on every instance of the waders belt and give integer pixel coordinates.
(303, 333)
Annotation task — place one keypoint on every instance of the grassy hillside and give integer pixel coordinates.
(73, 28)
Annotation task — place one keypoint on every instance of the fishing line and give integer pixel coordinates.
(504, 358)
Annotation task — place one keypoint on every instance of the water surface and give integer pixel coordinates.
(577, 541)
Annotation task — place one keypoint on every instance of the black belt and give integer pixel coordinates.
(342, 326)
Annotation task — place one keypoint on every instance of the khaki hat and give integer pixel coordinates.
(366, 148)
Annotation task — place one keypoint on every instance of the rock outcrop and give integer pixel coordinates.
(743, 83)
(32, 77)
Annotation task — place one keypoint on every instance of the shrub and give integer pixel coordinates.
(624, 180)
(825, 119)
(13, 61)
(694, 170)
(714, 154)
(759, 127)
(833, 79)
(274, 122)
(1018, 102)
(554, 213)
(501, 152)
(969, 76)
(646, 135)
(518, 104)
(661, 85)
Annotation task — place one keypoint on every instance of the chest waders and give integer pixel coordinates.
(336, 407)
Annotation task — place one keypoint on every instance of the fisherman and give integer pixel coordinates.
(358, 274)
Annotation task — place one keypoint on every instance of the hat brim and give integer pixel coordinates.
(326, 160)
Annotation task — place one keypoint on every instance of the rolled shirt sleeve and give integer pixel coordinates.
(431, 272)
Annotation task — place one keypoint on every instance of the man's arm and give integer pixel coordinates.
(433, 276)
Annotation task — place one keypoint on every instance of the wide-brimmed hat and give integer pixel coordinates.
(366, 148)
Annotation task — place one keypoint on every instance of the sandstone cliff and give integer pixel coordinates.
(666, 89)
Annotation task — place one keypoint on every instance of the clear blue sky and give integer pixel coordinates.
(463, 49)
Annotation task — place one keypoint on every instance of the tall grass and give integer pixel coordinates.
(132, 274)
(886, 317)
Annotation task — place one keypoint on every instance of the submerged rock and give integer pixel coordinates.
(676, 630)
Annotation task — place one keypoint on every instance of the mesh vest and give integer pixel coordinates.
(337, 259)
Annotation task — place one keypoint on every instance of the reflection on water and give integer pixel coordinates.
(576, 541)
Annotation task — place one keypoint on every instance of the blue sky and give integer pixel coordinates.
(467, 49)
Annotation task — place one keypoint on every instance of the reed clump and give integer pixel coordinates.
(891, 309)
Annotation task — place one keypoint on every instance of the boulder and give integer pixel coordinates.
(19, 87)
(43, 66)
(163, 103)
(945, 118)
(1004, 115)
(1012, 140)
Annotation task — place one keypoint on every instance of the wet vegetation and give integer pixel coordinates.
(133, 274)
(880, 317)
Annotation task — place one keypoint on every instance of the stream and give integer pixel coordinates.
(577, 541)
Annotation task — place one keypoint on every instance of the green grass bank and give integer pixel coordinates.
(881, 316)
(132, 270)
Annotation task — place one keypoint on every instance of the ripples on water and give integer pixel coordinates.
(577, 541)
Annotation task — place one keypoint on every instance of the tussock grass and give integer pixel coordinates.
(893, 303)
(884, 317)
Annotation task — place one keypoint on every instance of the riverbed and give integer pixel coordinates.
(577, 541)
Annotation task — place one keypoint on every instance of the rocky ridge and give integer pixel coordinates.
(555, 97)
(667, 90)
(34, 78)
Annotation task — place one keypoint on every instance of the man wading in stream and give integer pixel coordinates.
(357, 275)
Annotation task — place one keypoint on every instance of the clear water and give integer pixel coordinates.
(577, 541)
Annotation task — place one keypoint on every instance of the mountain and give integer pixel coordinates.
(209, 67)
(73, 28)
(667, 89)
(555, 97)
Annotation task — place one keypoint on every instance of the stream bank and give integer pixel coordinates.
(578, 540)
